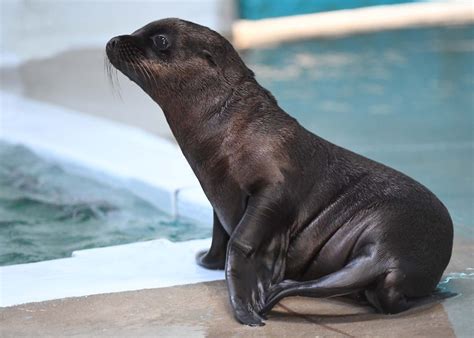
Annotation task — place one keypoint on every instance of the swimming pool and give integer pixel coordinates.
(404, 98)
(47, 212)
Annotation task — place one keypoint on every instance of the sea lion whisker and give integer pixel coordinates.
(138, 64)
(149, 76)
(112, 76)
(138, 67)
(129, 62)
(147, 66)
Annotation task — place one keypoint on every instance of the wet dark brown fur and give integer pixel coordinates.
(293, 213)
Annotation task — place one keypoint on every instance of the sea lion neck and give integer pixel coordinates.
(243, 111)
(209, 114)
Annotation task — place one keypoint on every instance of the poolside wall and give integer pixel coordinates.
(257, 33)
(56, 26)
(35, 29)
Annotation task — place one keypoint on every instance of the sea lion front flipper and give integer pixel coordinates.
(214, 258)
(256, 256)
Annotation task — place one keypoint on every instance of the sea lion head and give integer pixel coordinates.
(179, 64)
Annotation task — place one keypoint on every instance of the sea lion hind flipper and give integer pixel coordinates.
(214, 258)
(355, 276)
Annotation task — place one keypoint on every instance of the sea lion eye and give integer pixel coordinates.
(160, 42)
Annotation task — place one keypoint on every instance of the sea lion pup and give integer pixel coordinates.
(293, 213)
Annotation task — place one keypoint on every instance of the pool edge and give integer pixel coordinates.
(254, 33)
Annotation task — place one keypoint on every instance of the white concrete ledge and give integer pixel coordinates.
(252, 33)
(152, 264)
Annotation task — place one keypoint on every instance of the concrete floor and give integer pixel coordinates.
(203, 310)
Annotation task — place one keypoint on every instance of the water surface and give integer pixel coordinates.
(46, 212)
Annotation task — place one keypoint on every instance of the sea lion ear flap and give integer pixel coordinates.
(209, 57)
(250, 72)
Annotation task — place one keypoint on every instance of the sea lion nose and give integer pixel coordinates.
(113, 42)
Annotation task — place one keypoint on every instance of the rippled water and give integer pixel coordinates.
(404, 98)
(47, 213)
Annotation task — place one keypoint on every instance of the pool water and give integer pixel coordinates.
(46, 212)
(404, 98)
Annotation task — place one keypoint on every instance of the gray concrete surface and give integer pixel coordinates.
(203, 310)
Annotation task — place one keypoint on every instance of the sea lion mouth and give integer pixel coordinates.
(124, 54)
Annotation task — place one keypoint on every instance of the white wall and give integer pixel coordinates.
(41, 28)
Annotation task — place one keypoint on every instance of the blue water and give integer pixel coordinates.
(46, 212)
(259, 9)
(404, 98)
